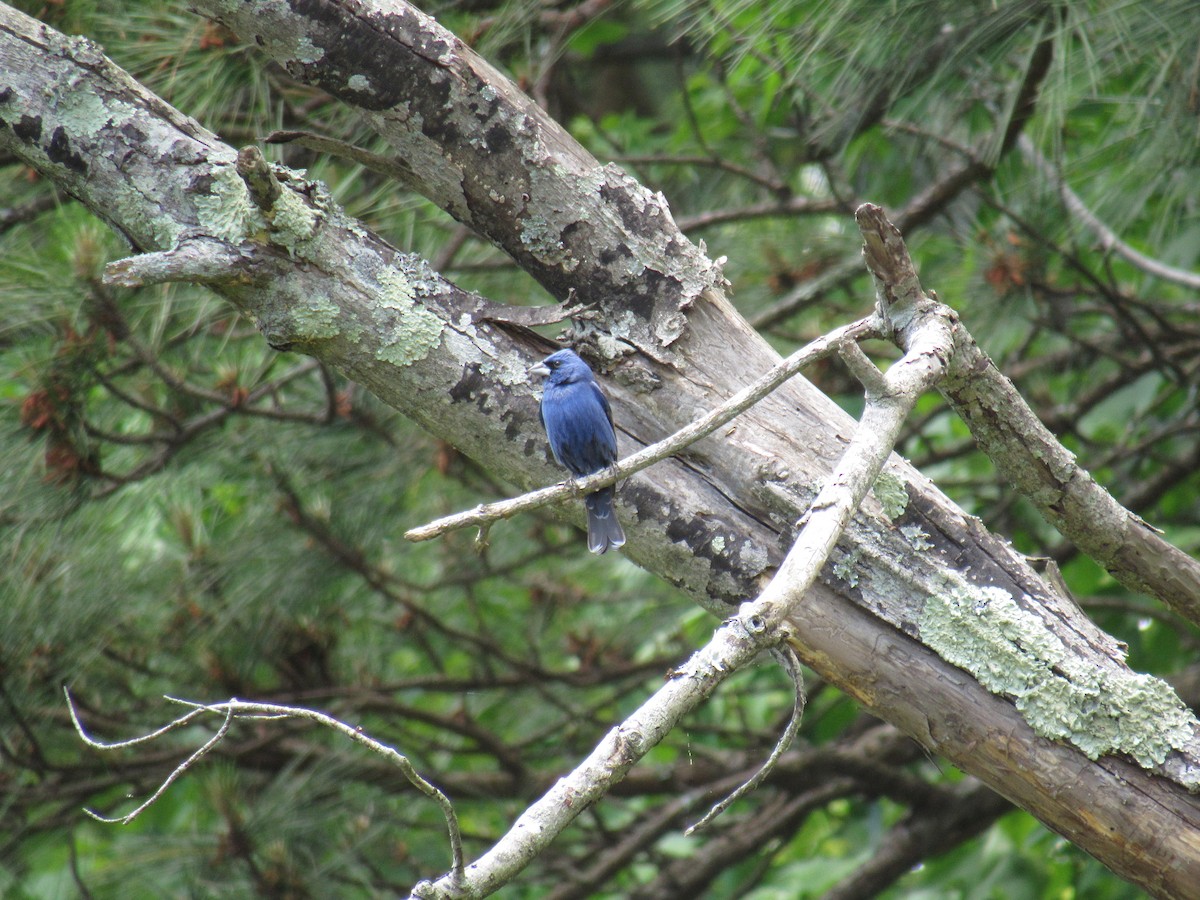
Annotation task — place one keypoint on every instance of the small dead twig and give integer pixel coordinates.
(240, 709)
(791, 664)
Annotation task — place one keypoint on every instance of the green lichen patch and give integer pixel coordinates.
(307, 52)
(89, 113)
(891, 494)
(916, 537)
(1011, 652)
(846, 568)
(509, 369)
(542, 239)
(407, 332)
(164, 230)
(226, 211)
(315, 319)
(293, 221)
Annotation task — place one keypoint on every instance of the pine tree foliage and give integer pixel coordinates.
(187, 512)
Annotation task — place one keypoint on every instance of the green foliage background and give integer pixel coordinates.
(187, 512)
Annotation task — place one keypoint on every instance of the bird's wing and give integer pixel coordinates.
(607, 439)
(603, 401)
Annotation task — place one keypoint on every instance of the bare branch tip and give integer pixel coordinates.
(192, 703)
(75, 717)
(197, 260)
(118, 820)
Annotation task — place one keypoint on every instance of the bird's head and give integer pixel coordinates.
(562, 367)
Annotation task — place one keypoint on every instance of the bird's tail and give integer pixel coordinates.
(604, 531)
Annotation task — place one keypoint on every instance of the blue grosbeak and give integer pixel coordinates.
(578, 423)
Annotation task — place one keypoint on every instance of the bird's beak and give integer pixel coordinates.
(539, 369)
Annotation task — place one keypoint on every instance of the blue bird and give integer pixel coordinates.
(578, 422)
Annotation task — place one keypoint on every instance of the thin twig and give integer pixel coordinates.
(320, 143)
(356, 734)
(863, 369)
(767, 209)
(836, 275)
(1107, 237)
(170, 779)
(487, 513)
(241, 709)
(132, 742)
(791, 664)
